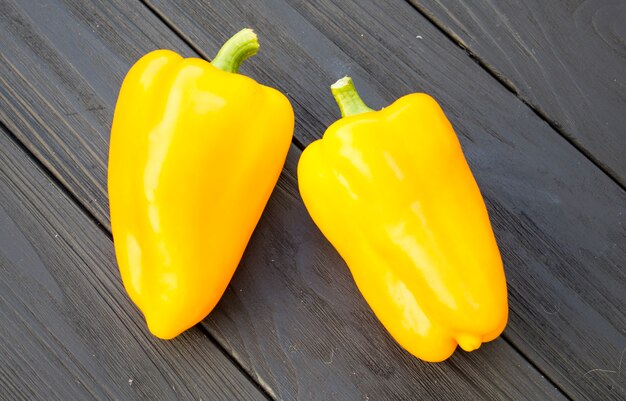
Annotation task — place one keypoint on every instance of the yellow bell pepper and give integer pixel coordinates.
(392, 191)
(196, 149)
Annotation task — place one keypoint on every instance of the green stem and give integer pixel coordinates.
(238, 48)
(348, 99)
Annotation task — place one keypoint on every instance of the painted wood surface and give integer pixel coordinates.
(292, 317)
(567, 59)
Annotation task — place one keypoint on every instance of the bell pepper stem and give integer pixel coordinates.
(348, 99)
(236, 49)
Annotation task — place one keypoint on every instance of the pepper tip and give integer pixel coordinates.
(469, 342)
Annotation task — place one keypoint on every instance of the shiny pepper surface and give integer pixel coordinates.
(391, 190)
(196, 150)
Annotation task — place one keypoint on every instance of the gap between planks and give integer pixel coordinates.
(543, 373)
(502, 80)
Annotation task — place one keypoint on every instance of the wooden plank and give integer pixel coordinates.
(266, 318)
(565, 58)
(559, 220)
(68, 330)
(266, 334)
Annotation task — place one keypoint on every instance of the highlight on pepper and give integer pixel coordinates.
(196, 150)
(392, 192)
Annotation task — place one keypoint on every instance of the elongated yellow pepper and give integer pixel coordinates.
(391, 190)
(196, 150)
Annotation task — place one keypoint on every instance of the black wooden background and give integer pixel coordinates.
(537, 94)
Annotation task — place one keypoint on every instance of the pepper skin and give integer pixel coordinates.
(392, 191)
(196, 149)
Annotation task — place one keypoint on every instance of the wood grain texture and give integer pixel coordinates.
(559, 220)
(292, 315)
(67, 330)
(255, 324)
(565, 58)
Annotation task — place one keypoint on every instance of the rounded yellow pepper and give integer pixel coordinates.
(196, 149)
(392, 191)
